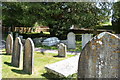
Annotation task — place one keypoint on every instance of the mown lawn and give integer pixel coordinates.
(40, 60)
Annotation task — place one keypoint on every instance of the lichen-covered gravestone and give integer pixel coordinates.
(9, 44)
(100, 58)
(28, 56)
(71, 40)
(17, 53)
(62, 50)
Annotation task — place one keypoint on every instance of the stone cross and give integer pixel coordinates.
(9, 44)
(71, 40)
(62, 50)
(28, 56)
(85, 39)
(17, 53)
(100, 58)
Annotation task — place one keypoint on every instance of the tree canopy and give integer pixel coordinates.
(58, 16)
(116, 17)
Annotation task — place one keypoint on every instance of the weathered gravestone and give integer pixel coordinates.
(28, 56)
(17, 53)
(62, 50)
(100, 58)
(71, 40)
(85, 39)
(9, 44)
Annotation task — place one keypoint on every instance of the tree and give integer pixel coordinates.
(116, 17)
(58, 16)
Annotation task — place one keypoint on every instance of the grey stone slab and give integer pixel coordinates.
(100, 58)
(65, 67)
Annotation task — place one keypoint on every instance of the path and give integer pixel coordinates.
(55, 51)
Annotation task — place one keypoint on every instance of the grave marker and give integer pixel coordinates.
(100, 58)
(71, 40)
(85, 39)
(62, 50)
(9, 44)
(28, 56)
(17, 53)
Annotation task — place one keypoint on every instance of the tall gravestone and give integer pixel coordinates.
(101, 57)
(9, 44)
(17, 53)
(62, 50)
(85, 39)
(28, 56)
(71, 40)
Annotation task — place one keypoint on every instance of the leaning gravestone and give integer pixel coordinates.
(100, 58)
(9, 44)
(62, 50)
(17, 53)
(28, 56)
(85, 39)
(71, 40)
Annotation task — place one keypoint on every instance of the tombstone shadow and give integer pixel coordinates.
(51, 76)
(18, 71)
(7, 63)
(59, 56)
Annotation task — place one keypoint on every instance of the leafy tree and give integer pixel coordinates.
(59, 16)
(116, 17)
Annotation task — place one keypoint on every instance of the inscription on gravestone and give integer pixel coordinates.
(9, 44)
(28, 56)
(17, 53)
(100, 57)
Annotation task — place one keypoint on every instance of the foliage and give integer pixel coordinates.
(116, 17)
(59, 16)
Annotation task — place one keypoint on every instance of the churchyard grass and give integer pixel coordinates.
(40, 60)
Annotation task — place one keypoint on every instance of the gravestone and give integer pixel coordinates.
(17, 53)
(85, 39)
(62, 50)
(28, 56)
(100, 58)
(118, 35)
(71, 40)
(9, 44)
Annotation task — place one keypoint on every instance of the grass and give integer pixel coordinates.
(40, 60)
(78, 47)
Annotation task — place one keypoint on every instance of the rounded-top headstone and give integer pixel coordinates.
(100, 58)
(17, 53)
(28, 56)
(62, 50)
(9, 44)
(71, 40)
